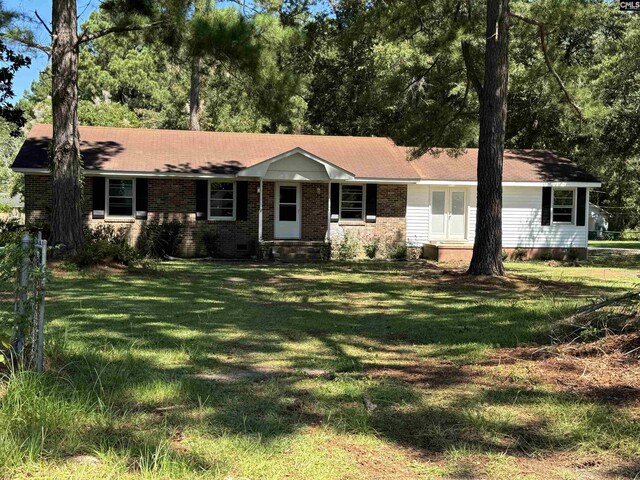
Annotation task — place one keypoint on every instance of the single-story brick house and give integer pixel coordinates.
(299, 191)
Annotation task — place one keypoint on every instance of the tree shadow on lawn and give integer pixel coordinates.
(214, 314)
(129, 334)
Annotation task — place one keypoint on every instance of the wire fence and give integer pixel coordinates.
(24, 263)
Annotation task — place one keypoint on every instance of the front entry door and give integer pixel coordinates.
(448, 214)
(287, 221)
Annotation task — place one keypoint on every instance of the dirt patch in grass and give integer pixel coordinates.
(606, 370)
(379, 463)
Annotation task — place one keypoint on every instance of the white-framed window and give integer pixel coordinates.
(351, 202)
(563, 205)
(120, 193)
(222, 200)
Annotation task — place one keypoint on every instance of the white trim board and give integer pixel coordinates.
(452, 183)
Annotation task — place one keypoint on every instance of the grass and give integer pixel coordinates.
(214, 370)
(631, 244)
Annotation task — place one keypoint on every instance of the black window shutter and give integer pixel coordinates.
(242, 200)
(581, 210)
(335, 202)
(371, 210)
(142, 198)
(202, 187)
(546, 205)
(98, 198)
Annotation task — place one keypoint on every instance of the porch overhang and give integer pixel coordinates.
(297, 165)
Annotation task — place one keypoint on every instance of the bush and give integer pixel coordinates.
(160, 239)
(519, 254)
(10, 231)
(372, 247)
(545, 256)
(347, 248)
(210, 240)
(574, 254)
(397, 251)
(104, 244)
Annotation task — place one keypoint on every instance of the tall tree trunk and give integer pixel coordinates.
(194, 94)
(66, 214)
(487, 249)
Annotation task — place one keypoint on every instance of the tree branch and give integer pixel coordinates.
(542, 31)
(90, 36)
(472, 73)
(26, 41)
(43, 22)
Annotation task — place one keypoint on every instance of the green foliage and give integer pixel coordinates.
(347, 247)
(519, 254)
(10, 182)
(160, 239)
(22, 272)
(372, 247)
(545, 256)
(397, 251)
(104, 244)
(10, 231)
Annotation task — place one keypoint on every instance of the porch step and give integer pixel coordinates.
(294, 250)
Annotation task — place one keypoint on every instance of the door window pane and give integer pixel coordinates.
(437, 212)
(288, 213)
(288, 194)
(457, 203)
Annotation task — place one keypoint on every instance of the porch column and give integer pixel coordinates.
(328, 238)
(260, 213)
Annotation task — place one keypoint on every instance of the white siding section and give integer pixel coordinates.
(471, 213)
(521, 220)
(418, 214)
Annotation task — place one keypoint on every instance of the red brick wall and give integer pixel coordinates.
(315, 210)
(390, 224)
(174, 199)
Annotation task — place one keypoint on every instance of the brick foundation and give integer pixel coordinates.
(463, 253)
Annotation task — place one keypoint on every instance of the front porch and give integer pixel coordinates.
(448, 251)
(295, 197)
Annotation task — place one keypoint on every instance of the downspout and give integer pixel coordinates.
(328, 239)
(260, 213)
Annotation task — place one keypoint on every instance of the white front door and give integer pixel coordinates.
(448, 214)
(287, 214)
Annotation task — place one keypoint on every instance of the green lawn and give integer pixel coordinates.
(236, 371)
(615, 244)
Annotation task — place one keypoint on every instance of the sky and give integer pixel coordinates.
(25, 76)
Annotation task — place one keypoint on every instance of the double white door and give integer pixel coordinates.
(448, 214)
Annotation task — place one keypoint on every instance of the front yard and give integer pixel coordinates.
(363, 370)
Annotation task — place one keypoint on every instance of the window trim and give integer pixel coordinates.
(364, 203)
(573, 206)
(235, 199)
(107, 215)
